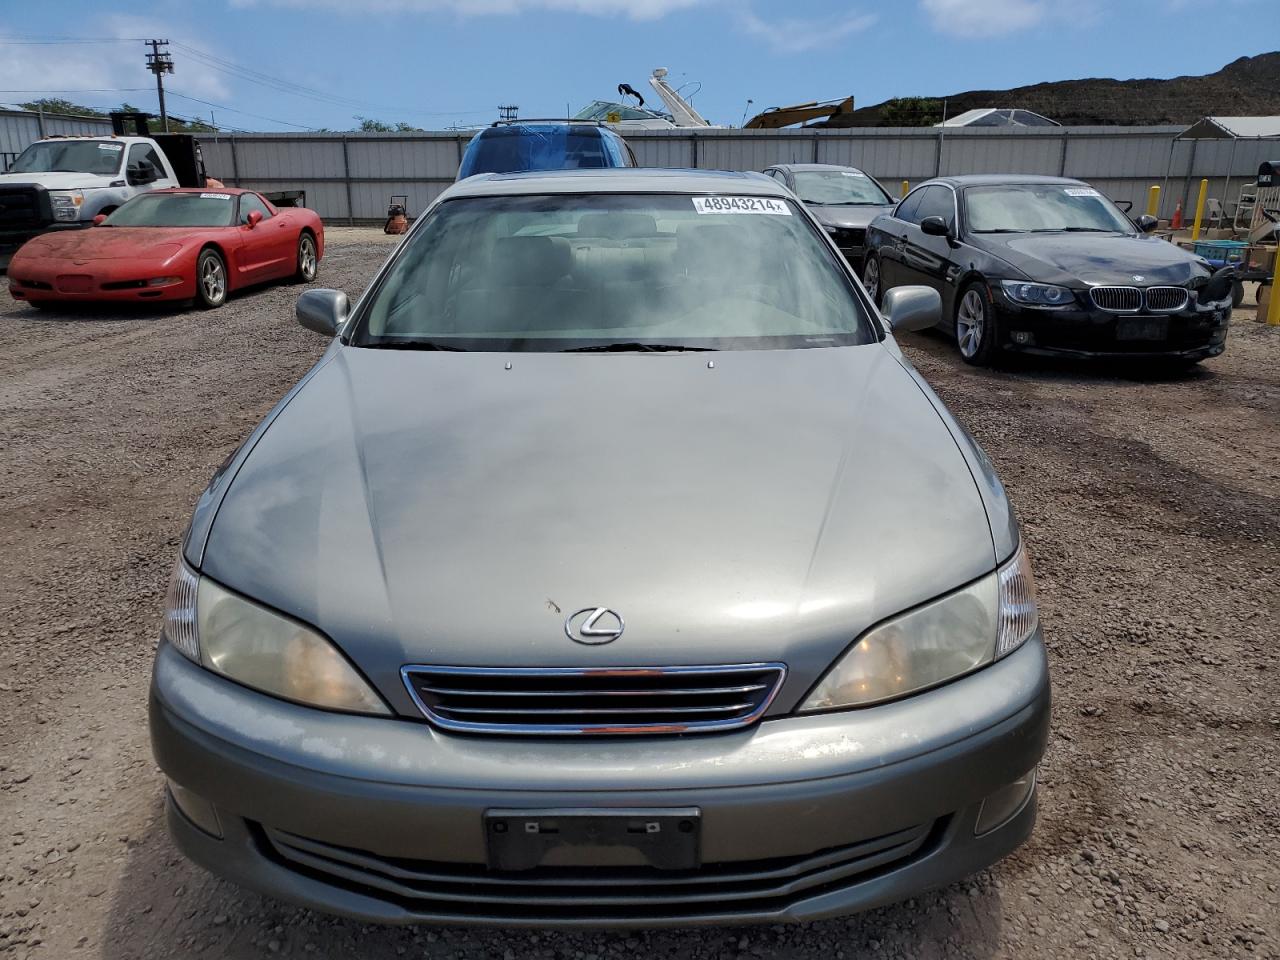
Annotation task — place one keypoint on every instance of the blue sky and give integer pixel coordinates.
(434, 63)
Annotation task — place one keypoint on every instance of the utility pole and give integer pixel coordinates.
(159, 62)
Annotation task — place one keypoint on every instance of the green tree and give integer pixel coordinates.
(911, 112)
(58, 105)
(370, 125)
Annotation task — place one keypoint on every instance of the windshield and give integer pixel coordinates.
(70, 156)
(603, 110)
(524, 147)
(174, 210)
(1042, 208)
(839, 188)
(550, 273)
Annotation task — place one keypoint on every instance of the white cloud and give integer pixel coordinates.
(631, 9)
(793, 35)
(118, 70)
(981, 18)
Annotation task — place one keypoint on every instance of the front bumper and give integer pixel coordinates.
(802, 817)
(106, 284)
(1089, 332)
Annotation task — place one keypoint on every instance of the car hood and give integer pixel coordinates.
(108, 243)
(60, 180)
(855, 218)
(1090, 259)
(436, 508)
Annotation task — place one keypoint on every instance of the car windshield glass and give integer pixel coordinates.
(838, 188)
(174, 210)
(1042, 208)
(524, 147)
(70, 156)
(642, 272)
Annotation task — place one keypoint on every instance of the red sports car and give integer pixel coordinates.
(171, 245)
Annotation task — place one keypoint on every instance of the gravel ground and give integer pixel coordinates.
(1149, 504)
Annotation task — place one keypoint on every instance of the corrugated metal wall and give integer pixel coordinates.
(19, 129)
(355, 175)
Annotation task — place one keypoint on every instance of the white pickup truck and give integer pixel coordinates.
(62, 183)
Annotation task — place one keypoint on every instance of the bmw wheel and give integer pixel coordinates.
(871, 277)
(308, 263)
(977, 329)
(211, 280)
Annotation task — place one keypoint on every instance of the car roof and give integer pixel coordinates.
(234, 191)
(617, 180)
(998, 179)
(794, 167)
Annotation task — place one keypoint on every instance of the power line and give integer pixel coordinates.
(281, 85)
(88, 90)
(257, 116)
(62, 41)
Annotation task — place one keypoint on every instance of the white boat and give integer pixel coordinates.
(680, 113)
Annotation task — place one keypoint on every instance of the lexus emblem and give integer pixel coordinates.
(594, 626)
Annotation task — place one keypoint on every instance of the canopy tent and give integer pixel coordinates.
(1234, 129)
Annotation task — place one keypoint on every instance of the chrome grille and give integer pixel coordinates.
(445, 890)
(1167, 299)
(610, 701)
(1117, 299)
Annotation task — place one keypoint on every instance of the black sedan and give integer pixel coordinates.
(843, 199)
(1047, 265)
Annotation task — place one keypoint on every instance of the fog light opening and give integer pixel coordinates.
(196, 809)
(1006, 803)
(1024, 338)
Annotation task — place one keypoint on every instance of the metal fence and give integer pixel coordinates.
(353, 176)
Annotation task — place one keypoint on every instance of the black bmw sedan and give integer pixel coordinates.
(1047, 265)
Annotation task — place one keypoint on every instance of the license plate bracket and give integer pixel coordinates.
(668, 838)
(1142, 328)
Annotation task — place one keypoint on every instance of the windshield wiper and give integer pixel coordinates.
(637, 347)
(1087, 230)
(1002, 230)
(413, 343)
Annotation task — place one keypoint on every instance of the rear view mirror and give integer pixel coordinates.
(935, 227)
(324, 311)
(1147, 223)
(912, 308)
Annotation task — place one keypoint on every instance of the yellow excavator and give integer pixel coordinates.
(777, 117)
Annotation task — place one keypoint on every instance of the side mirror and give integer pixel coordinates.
(324, 311)
(1147, 223)
(140, 172)
(255, 218)
(99, 219)
(912, 308)
(935, 227)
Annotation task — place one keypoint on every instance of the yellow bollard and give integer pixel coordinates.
(1204, 192)
(1153, 202)
(906, 187)
(1273, 308)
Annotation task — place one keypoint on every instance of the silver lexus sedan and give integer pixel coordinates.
(612, 567)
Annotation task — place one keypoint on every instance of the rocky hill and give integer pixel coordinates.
(1247, 87)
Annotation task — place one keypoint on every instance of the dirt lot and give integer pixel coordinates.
(1150, 505)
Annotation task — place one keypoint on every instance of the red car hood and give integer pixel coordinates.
(110, 243)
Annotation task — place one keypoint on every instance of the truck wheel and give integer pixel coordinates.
(308, 264)
(211, 280)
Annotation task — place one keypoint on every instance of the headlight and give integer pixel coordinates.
(66, 204)
(260, 648)
(937, 642)
(1037, 294)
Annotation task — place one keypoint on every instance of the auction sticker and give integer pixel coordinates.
(765, 205)
(113, 147)
(215, 196)
(1082, 192)
(853, 173)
